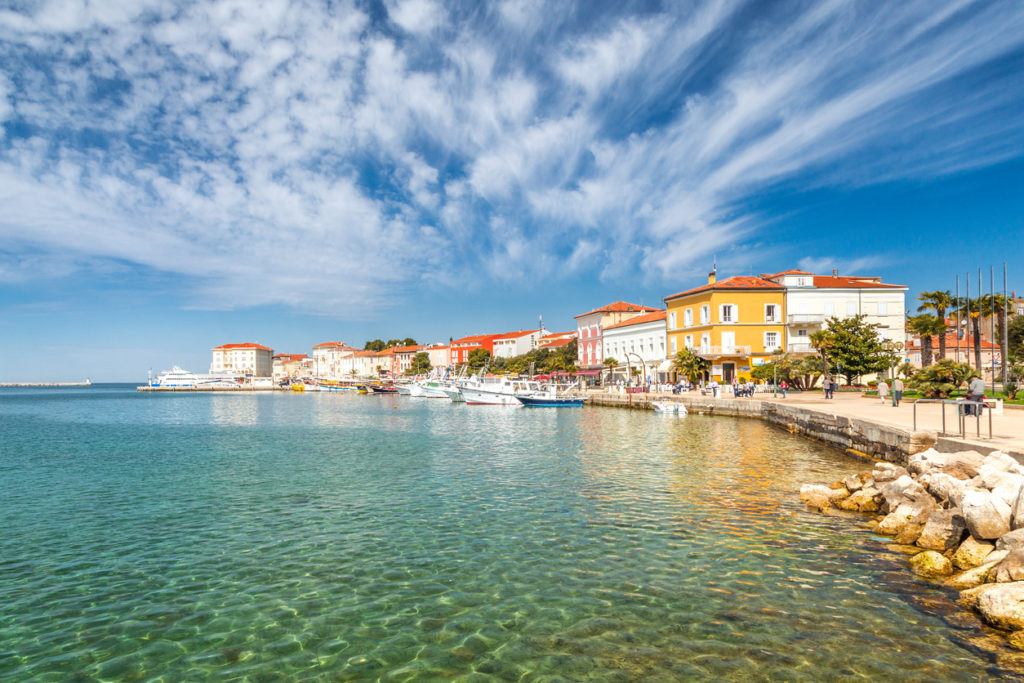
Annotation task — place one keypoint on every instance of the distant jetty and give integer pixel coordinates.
(86, 383)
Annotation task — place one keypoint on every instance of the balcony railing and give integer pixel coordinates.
(801, 347)
(806, 318)
(715, 351)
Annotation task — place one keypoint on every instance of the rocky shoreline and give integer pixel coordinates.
(964, 514)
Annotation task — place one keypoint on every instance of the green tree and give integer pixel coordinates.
(856, 348)
(1015, 338)
(970, 309)
(611, 364)
(939, 301)
(823, 341)
(690, 365)
(375, 345)
(478, 358)
(926, 326)
(907, 370)
(941, 379)
(420, 364)
(408, 341)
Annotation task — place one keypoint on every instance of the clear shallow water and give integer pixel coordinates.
(335, 537)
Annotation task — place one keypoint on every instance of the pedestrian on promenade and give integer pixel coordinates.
(883, 391)
(828, 388)
(714, 388)
(784, 387)
(897, 392)
(975, 392)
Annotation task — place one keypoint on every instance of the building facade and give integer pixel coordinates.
(291, 365)
(590, 353)
(327, 359)
(555, 340)
(253, 360)
(440, 356)
(517, 343)
(735, 323)
(638, 344)
(461, 348)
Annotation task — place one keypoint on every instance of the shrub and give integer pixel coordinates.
(941, 379)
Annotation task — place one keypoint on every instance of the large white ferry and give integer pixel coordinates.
(176, 377)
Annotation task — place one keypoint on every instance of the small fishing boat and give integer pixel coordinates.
(382, 389)
(551, 402)
(668, 407)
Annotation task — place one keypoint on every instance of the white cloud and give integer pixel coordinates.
(824, 265)
(416, 16)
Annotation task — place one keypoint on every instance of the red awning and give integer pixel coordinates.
(588, 373)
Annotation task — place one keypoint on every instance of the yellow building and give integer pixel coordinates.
(735, 323)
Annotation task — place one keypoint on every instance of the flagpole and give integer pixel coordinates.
(958, 307)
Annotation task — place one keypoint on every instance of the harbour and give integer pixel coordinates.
(341, 537)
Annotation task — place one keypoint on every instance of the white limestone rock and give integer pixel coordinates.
(1017, 511)
(994, 464)
(946, 489)
(971, 578)
(972, 553)
(1013, 540)
(1002, 604)
(1007, 486)
(1010, 568)
(988, 517)
(816, 496)
(943, 530)
(931, 563)
(884, 472)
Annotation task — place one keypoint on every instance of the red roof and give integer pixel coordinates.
(785, 272)
(951, 343)
(851, 283)
(408, 349)
(476, 339)
(548, 342)
(438, 348)
(515, 335)
(290, 357)
(737, 282)
(619, 307)
(247, 345)
(646, 318)
(337, 344)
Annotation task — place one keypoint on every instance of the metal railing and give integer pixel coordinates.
(805, 318)
(964, 410)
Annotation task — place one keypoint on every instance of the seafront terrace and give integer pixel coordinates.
(1007, 429)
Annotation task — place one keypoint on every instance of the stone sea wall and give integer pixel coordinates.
(856, 437)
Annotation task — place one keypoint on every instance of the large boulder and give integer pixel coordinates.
(816, 496)
(855, 482)
(902, 490)
(945, 488)
(925, 461)
(1007, 486)
(972, 553)
(994, 464)
(884, 472)
(896, 520)
(1002, 604)
(931, 563)
(987, 516)
(943, 530)
(921, 512)
(1017, 511)
(864, 500)
(971, 578)
(1014, 540)
(1010, 568)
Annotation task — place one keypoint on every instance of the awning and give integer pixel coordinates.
(667, 365)
(588, 373)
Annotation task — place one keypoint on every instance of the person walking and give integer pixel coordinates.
(828, 388)
(784, 387)
(975, 392)
(883, 391)
(897, 392)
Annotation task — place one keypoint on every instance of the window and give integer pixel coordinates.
(705, 315)
(771, 341)
(727, 313)
(673, 344)
(705, 342)
(672, 320)
(851, 308)
(771, 313)
(801, 282)
(688, 341)
(883, 308)
(688, 317)
(801, 333)
(830, 309)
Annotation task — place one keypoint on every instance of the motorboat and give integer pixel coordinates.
(430, 388)
(177, 378)
(497, 391)
(669, 407)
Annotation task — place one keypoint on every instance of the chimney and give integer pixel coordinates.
(835, 272)
(711, 277)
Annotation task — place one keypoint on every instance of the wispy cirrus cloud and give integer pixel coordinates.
(289, 153)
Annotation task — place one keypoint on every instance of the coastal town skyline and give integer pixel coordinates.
(174, 178)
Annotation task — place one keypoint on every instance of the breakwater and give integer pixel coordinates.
(6, 385)
(856, 437)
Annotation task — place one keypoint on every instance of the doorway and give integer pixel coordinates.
(728, 372)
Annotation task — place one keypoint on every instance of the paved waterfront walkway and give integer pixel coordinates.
(1007, 429)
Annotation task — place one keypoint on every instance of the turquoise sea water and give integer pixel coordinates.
(347, 537)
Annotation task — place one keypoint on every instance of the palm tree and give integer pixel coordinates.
(610, 363)
(822, 341)
(995, 305)
(939, 301)
(690, 365)
(964, 304)
(925, 326)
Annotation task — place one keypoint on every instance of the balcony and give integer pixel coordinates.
(806, 318)
(722, 351)
(801, 347)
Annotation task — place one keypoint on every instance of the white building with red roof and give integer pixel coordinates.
(291, 365)
(327, 359)
(517, 343)
(440, 356)
(253, 360)
(638, 343)
(555, 340)
(812, 299)
(590, 326)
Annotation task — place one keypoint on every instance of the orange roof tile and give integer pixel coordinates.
(640, 319)
(408, 349)
(736, 282)
(475, 339)
(549, 342)
(619, 307)
(851, 283)
(785, 272)
(515, 335)
(247, 345)
(337, 344)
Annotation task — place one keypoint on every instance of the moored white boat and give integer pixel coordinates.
(669, 407)
(497, 391)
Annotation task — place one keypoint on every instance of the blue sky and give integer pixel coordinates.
(178, 175)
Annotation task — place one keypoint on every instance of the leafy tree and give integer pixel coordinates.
(802, 372)
(823, 341)
(408, 341)
(690, 365)
(1015, 337)
(926, 326)
(906, 369)
(374, 345)
(971, 310)
(856, 348)
(939, 301)
(941, 379)
(478, 358)
(420, 364)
